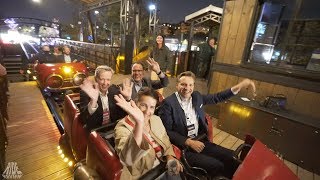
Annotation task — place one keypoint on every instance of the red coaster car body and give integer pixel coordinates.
(261, 163)
(59, 76)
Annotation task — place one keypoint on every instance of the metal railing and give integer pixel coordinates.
(94, 54)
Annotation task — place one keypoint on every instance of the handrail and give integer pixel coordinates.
(96, 54)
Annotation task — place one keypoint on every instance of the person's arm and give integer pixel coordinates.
(168, 60)
(226, 94)
(244, 84)
(126, 145)
(126, 89)
(88, 104)
(164, 81)
(3, 70)
(166, 115)
(135, 113)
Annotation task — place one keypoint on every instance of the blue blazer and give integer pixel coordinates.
(173, 116)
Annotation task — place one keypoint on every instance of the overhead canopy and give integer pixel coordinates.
(211, 12)
(89, 1)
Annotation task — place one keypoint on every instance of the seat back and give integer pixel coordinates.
(102, 157)
(74, 128)
(79, 139)
(70, 110)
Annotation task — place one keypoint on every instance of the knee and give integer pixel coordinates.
(215, 169)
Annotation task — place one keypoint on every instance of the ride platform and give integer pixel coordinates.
(33, 135)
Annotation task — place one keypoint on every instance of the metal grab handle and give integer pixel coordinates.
(237, 152)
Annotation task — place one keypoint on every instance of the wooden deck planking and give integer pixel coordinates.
(304, 174)
(33, 135)
(291, 166)
(220, 137)
(229, 141)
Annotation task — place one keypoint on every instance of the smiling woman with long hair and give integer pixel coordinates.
(162, 54)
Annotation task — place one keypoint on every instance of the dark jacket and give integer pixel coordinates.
(163, 57)
(173, 116)
(73, 57)
(44, 57)
(95, 120)
(152, 84)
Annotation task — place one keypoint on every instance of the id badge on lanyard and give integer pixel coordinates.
(191, 130)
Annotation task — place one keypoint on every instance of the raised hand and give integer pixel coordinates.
(126, 89)
(154, 65)
(244, 84)
(131, 108)
(91, 89)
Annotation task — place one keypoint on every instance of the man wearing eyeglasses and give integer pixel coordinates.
(139, 80)
(97, 104)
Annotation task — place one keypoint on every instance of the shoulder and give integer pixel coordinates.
(122, 125)
(113, 88)
(170, 98)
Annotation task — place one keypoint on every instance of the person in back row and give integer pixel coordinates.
(139, 80)
(44, 57)
(183, 116)
(141, 139)
(68, 56)
(97, 104)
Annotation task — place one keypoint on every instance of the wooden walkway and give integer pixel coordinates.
(33, 135)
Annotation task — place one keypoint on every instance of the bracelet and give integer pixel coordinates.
(128, 100)
(159, 73)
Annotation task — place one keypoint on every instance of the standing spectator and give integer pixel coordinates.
(183, 116)
(139, 80)
(207, 51)
(162, 55)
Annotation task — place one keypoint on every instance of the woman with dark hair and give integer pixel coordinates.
(162, 55)
(141, 140)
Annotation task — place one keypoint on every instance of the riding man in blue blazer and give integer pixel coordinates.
(183, 116)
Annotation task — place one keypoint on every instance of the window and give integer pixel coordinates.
(287, 36)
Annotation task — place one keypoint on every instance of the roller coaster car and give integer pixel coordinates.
(97, 158)
(60, 76)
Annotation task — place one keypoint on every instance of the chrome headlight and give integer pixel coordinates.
(78, 78)
(67, 69)
(54, 81)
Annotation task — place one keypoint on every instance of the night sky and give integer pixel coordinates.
(170, 10)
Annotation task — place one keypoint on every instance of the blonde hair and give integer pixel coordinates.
(101, 69)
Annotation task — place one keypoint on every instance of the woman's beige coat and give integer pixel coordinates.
(138, 160)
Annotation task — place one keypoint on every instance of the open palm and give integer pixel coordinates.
(131, 108)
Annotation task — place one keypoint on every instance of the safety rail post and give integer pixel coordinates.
(3, 119)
